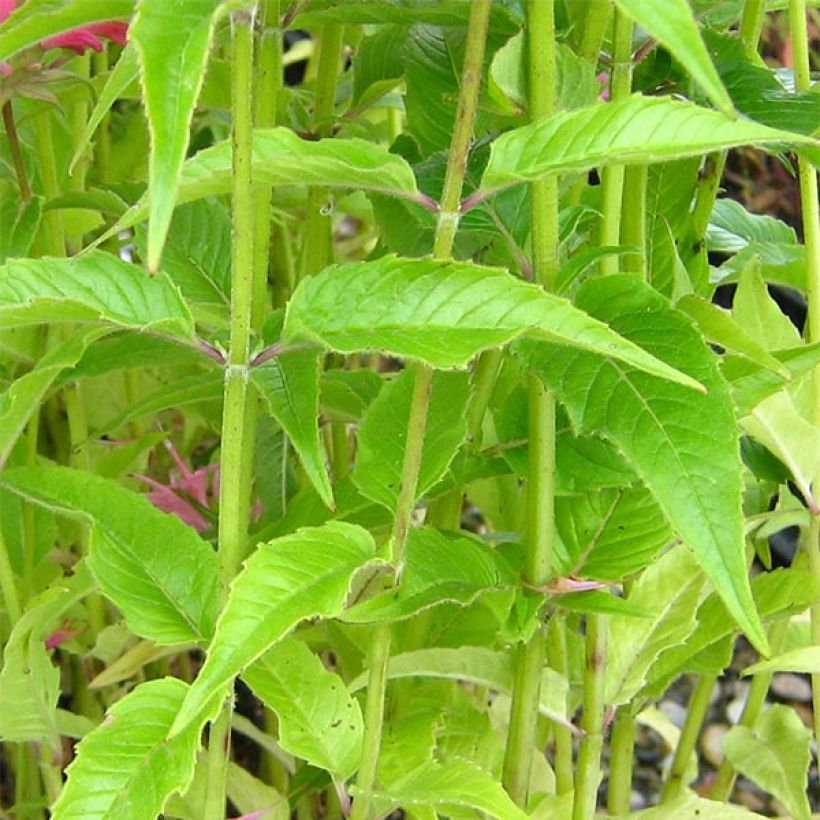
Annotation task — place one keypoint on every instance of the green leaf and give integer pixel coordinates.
(197, 254)
(281, 157)
(251, 796)
(141, 767)
(20, 221)
(610, 534)
(439, 567)
(503, 17)
(805, 660)
(289, 384)
(29, 681)
(121, 76)
(345, 395)
(690, 805)
(94, 287)
(731, 228)
(690, 466)
(781, 264)
(318, 719)
(23, 396)
(474, 664)
(775, 754)
(451, 783)
(383, 432)
(40, 19)
(759, 315)
(673, 25)
(303, 575)
(155, 569)
(668, 589)
(201, 387)
(172, 43)
(443, 313)
(635, 130)
(718, 327)
(777, 424)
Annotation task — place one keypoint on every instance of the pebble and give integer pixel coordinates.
(749, 799)
(791, 687)
(734, 709)
(637, 801)
(711, 742)
(674, 711)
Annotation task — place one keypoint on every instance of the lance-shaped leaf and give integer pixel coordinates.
(281, 157)
(777, 424)
(319, 721)
(775, 754)
(673, 25)
(94, 287)
(40, 19)
(683, 445)
(634, 130)
(23, 396)
(805, 660)
(474, 664)
(668, 589)
(172, 41)
(289, 384)
(444, 313)
(439, 567)
(155, 569)
(127, 767)
(303, 575)
(454, 782)
(383, 432)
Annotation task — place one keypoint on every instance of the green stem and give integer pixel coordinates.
(589, 755)
(558, 660)
(594, 22)
(238, 410)
(633, 218)
(442, 249)
(695, 715)
(102, 139)
(756, 700)
(612, 178)
(540, 520)
(8, 584)
(751, 24)
(622, 746)
(267, 84)
(484, 377)
(16, 151)
(811, 236)
(51, 227)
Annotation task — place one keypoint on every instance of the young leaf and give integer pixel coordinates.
(94, 287)
(281, 157)
(775, 754)
(303, 575)
(29, 681)
(718, 327)
(776, 424)
(454, 782)
(690, 805)
(40, 19)
(444, 313)
(731, 228)
(668, 589)
(439, 567)
(673, 25)
(172, 42)
(474, 664)
(23, 396)
(289, 384)
(155, 569)
(660, 427)
(142, 767)
(318, 719)
(377, 472)
(805, 660)
(637, 129)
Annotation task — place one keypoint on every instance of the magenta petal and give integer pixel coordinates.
(116, 32)
(78, 41)
(57, 637)
(6, 8)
